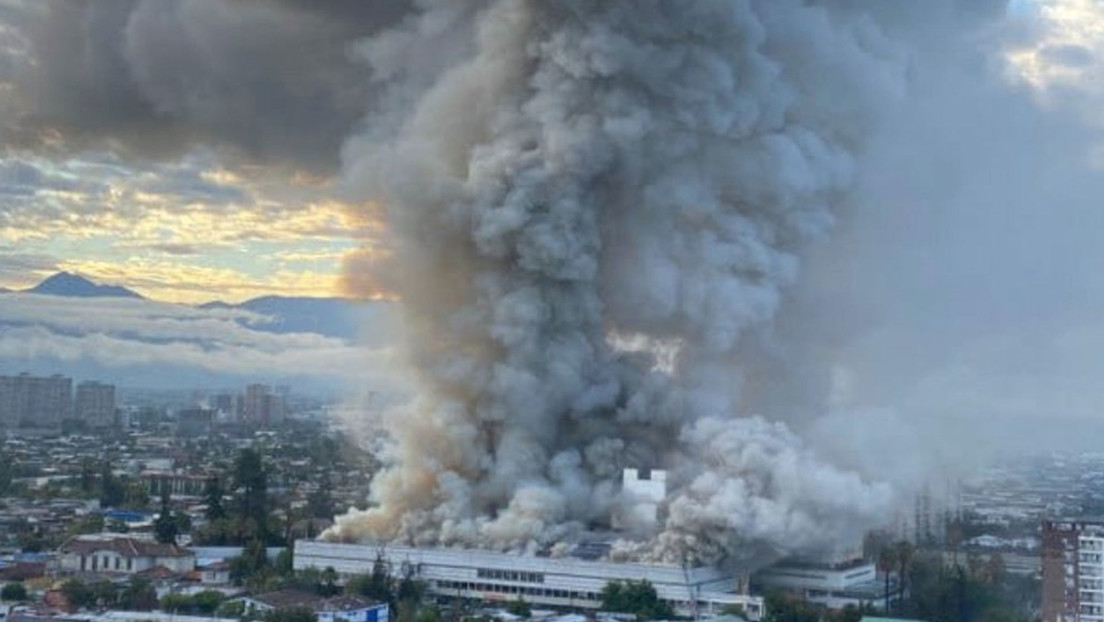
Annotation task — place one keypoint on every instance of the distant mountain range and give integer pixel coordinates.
(75, 286)
(339, 318)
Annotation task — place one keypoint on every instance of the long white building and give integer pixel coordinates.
(567, 582)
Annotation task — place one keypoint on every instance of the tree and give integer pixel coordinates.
(291, 614)
(253, 561)
(88, 476)
(887, 563)
(207, 602)
(320, 502)
(955, 535)
(783, 608)
(428, 614)
(112, 491)
(284, 564)
(251, 483)
(904, 561)
(212, 496)
(636, 597)
(519, 608)
(328, 584)
(138, 596)
(93, 523)
(104, 593)
(204, 603)
(77, 594)
(13, 591)
(136, 496)
(165, 528)
(377, 585)
(232, 609)
(995, 569)
(7, 473)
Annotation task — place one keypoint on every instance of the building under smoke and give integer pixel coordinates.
(594, 210)
(574, 580)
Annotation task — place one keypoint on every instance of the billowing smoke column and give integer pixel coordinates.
(595, 203)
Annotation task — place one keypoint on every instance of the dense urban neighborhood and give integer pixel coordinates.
(193, 505)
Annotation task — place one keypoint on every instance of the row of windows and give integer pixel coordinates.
(105, 563)
(465, 586)
(510, 575)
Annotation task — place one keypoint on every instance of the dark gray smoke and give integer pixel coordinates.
(609, 230)
(595, 206)
(270, 80)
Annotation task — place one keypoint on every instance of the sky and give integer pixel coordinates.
(175, 150)
(153, 148)
(195, 150)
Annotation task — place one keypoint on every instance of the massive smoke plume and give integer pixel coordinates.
(608, 225)
(597, 205)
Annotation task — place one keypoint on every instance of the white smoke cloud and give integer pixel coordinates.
(582, 169)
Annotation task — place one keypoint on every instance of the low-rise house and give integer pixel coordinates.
(326, 609)
(122, 555)
(217, 573)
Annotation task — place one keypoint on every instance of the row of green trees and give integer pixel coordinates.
(137, 595)
(635, 597)
(13, 592)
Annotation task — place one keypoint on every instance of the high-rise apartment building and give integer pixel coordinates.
(95, 404)
(262, 408)
(28, 401)
(1073, 570)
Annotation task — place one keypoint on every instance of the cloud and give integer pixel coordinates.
(180, 281)
(20, 269)
(123, 336)
(268, 80)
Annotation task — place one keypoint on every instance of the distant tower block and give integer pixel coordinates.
(643, 492)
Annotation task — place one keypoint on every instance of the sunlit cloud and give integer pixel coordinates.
(1066, 44)
(178, 281)
(188, 231)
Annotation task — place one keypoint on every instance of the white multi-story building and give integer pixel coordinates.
(569, 582)
(35, 402)
(95, 404)
(834, 585)
(1090, 572)
(1073, 570)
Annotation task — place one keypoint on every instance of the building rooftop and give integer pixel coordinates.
(283, 599)
(127, 547)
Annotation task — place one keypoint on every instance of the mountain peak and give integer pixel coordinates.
(74, 285)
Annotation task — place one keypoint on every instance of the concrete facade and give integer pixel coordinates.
(121, 556)
(544, 581)
(35, 402)
(1073, 570)
(95, 404)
